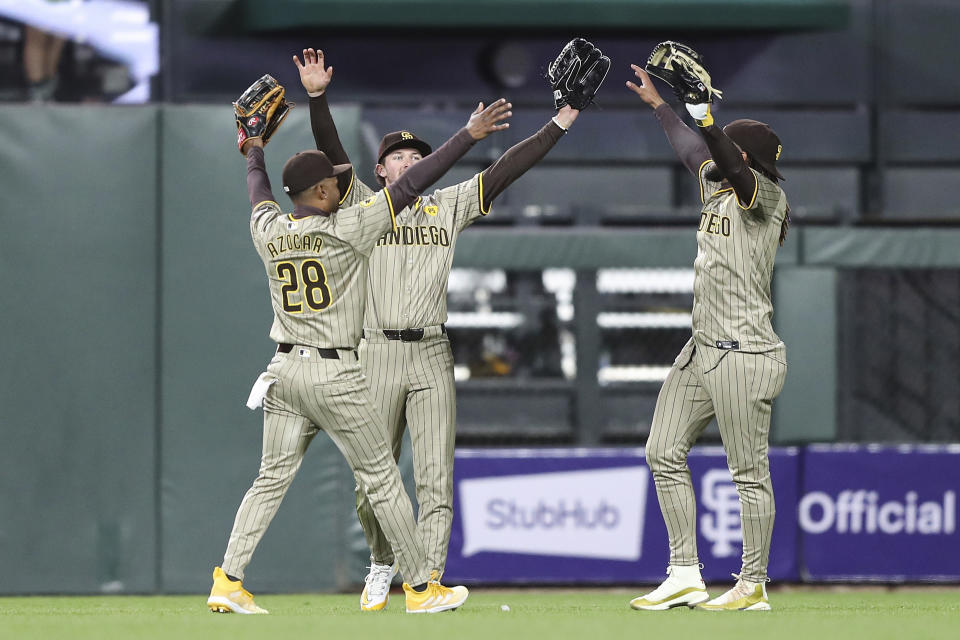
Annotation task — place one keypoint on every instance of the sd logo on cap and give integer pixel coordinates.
(401, 140)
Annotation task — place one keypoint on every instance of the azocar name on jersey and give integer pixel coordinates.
(294, 242)
(420, 235)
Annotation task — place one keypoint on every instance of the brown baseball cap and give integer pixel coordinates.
(759, 141)
(307, 168)
(401, 140)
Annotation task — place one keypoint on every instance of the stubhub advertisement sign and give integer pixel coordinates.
(844, 512)
(591, 515)
(563, 513)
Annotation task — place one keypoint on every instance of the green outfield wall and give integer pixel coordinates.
(135, 318)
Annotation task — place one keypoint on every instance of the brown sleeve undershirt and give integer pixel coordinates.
(424, 173)
(258, 182)
(730, 164)
(689, 146)
(403, 192)
(517, 159)
(327, 139)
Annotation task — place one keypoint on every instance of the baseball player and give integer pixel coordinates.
(406, 354)
(734, 365)
(316, 260)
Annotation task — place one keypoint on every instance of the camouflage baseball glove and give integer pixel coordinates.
(682, 68)
(577, 73)
(260, 110)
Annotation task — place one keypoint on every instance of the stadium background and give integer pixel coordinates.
(135, 316)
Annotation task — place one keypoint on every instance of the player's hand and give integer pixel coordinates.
(647, 92)
(566, 115)
(249, 143)
(313, 76)
(484, 121)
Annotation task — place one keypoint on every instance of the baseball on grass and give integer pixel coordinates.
(504, 607)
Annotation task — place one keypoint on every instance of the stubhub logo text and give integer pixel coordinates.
(595, 513)
(510, 513)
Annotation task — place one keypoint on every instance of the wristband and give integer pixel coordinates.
(701, 114)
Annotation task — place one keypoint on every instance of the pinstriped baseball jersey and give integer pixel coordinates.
(413, 382)
(736, 248)
(314, 273)
(410, 265)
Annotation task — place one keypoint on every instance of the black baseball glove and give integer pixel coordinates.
(577, 73)
(260, 110)
(682, 68)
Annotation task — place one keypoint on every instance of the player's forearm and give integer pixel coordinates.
(518, 159)
(325, 130)
(690, 147)
(424, 173)
(258, 182)
(327, 138)
(729, 162)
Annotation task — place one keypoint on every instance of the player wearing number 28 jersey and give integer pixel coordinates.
(316, 262)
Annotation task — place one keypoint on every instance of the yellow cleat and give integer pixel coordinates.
(228, 596)
(745, 596)
(434, 598)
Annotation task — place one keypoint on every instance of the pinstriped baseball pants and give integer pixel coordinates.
(738, 388)
(412, 384)
(311, 394)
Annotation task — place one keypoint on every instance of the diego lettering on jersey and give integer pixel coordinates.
(714, 223)
(419, 236)
(294, 242)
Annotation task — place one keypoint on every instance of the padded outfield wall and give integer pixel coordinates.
(135, 319)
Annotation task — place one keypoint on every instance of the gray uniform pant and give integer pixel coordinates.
(738, 388)
(412, 384)
(310, 394)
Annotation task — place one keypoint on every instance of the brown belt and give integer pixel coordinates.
(327, 354)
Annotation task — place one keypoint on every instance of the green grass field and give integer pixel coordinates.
(538, 615)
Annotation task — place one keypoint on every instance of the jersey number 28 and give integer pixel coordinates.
(316, 293)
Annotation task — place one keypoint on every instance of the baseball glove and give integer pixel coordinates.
(260, 110)
(577, 73)
(682, 68)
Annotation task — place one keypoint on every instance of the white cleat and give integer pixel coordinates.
(745, 596)
(683, 587)
(376, 593)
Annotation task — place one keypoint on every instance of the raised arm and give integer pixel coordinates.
(523, 155)
(726, 154)
(423, 173)
(315, 79)
(690, 147)
(258, 182)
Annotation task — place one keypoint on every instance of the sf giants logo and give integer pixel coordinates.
(722, 525)
(714, 223)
